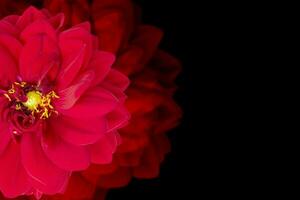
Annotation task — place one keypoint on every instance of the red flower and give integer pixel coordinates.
(60, 103)
(152, 73)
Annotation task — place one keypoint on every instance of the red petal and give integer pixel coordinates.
(12, 19)
(95, 102)
(37, 55)
(130, 159)
(79, 131)
(121, 177)
(57, 21)
(150, 164)
(117, 118)
(129, 62)
(101, 64)
(8, 28)
(114, 21)
(31, 14)
(13, 178)
(148, 38)
(85, 25)
(8, 68)
(11, 44)
(40, 27)
(102, 151)
(5, 136)
(110, 29)
(73, 53)
(77, 34)
(79, 188)
(70, 95)
(66, 156)
(95, 169)
(116, 79)
(44, 175)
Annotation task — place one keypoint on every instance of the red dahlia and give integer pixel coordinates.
(151, 71)
(60, 103)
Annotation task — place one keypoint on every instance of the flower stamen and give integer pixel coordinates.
(33, 100)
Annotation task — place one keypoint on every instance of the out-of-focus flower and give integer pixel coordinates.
(60, 103)
(76, 11)
(152, 73)
(8, 7)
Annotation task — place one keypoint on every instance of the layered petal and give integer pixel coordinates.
(79, 131)
(8, 67)
(101, 64)
(29, 16)
(114, 23)
(13, 179)
(66, 156)
(37, 57)
(43, 174)
(96, 102)
(120, 178)
(4, 135)
(11, 44)
(102, 151)
(70, 95)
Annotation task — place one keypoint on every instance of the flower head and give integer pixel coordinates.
(59, 101)
(152, 72)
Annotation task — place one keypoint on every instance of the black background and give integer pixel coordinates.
(178, 172)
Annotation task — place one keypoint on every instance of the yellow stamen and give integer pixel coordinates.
(7, 96)
(37, 103)
(41, 104)
(22, 84)
(11, 91)
(18, 107)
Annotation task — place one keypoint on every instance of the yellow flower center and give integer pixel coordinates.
(37, 103)
(34, 99)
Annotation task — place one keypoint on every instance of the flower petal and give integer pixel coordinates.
(150, 164)
(114, 22)
(13, 178)
(69, 96)
(44, 175)
(102, 151)
(79, 131)
(76, 46)
(30, 15)
(57, 21)
(95, 102)
(8, 68)
(73, 53)
(39, 27)
(129, 62)
(110, 29)
(148, 39)
(5, 136)
(118, 118)
(7, 28)
(11, 44)
(37, 55)
(101, 64)
(64, 155)
(119, 178)
(116, 79)
(78, 188)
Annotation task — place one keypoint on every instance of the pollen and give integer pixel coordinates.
(34, 99)
(31, 100)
